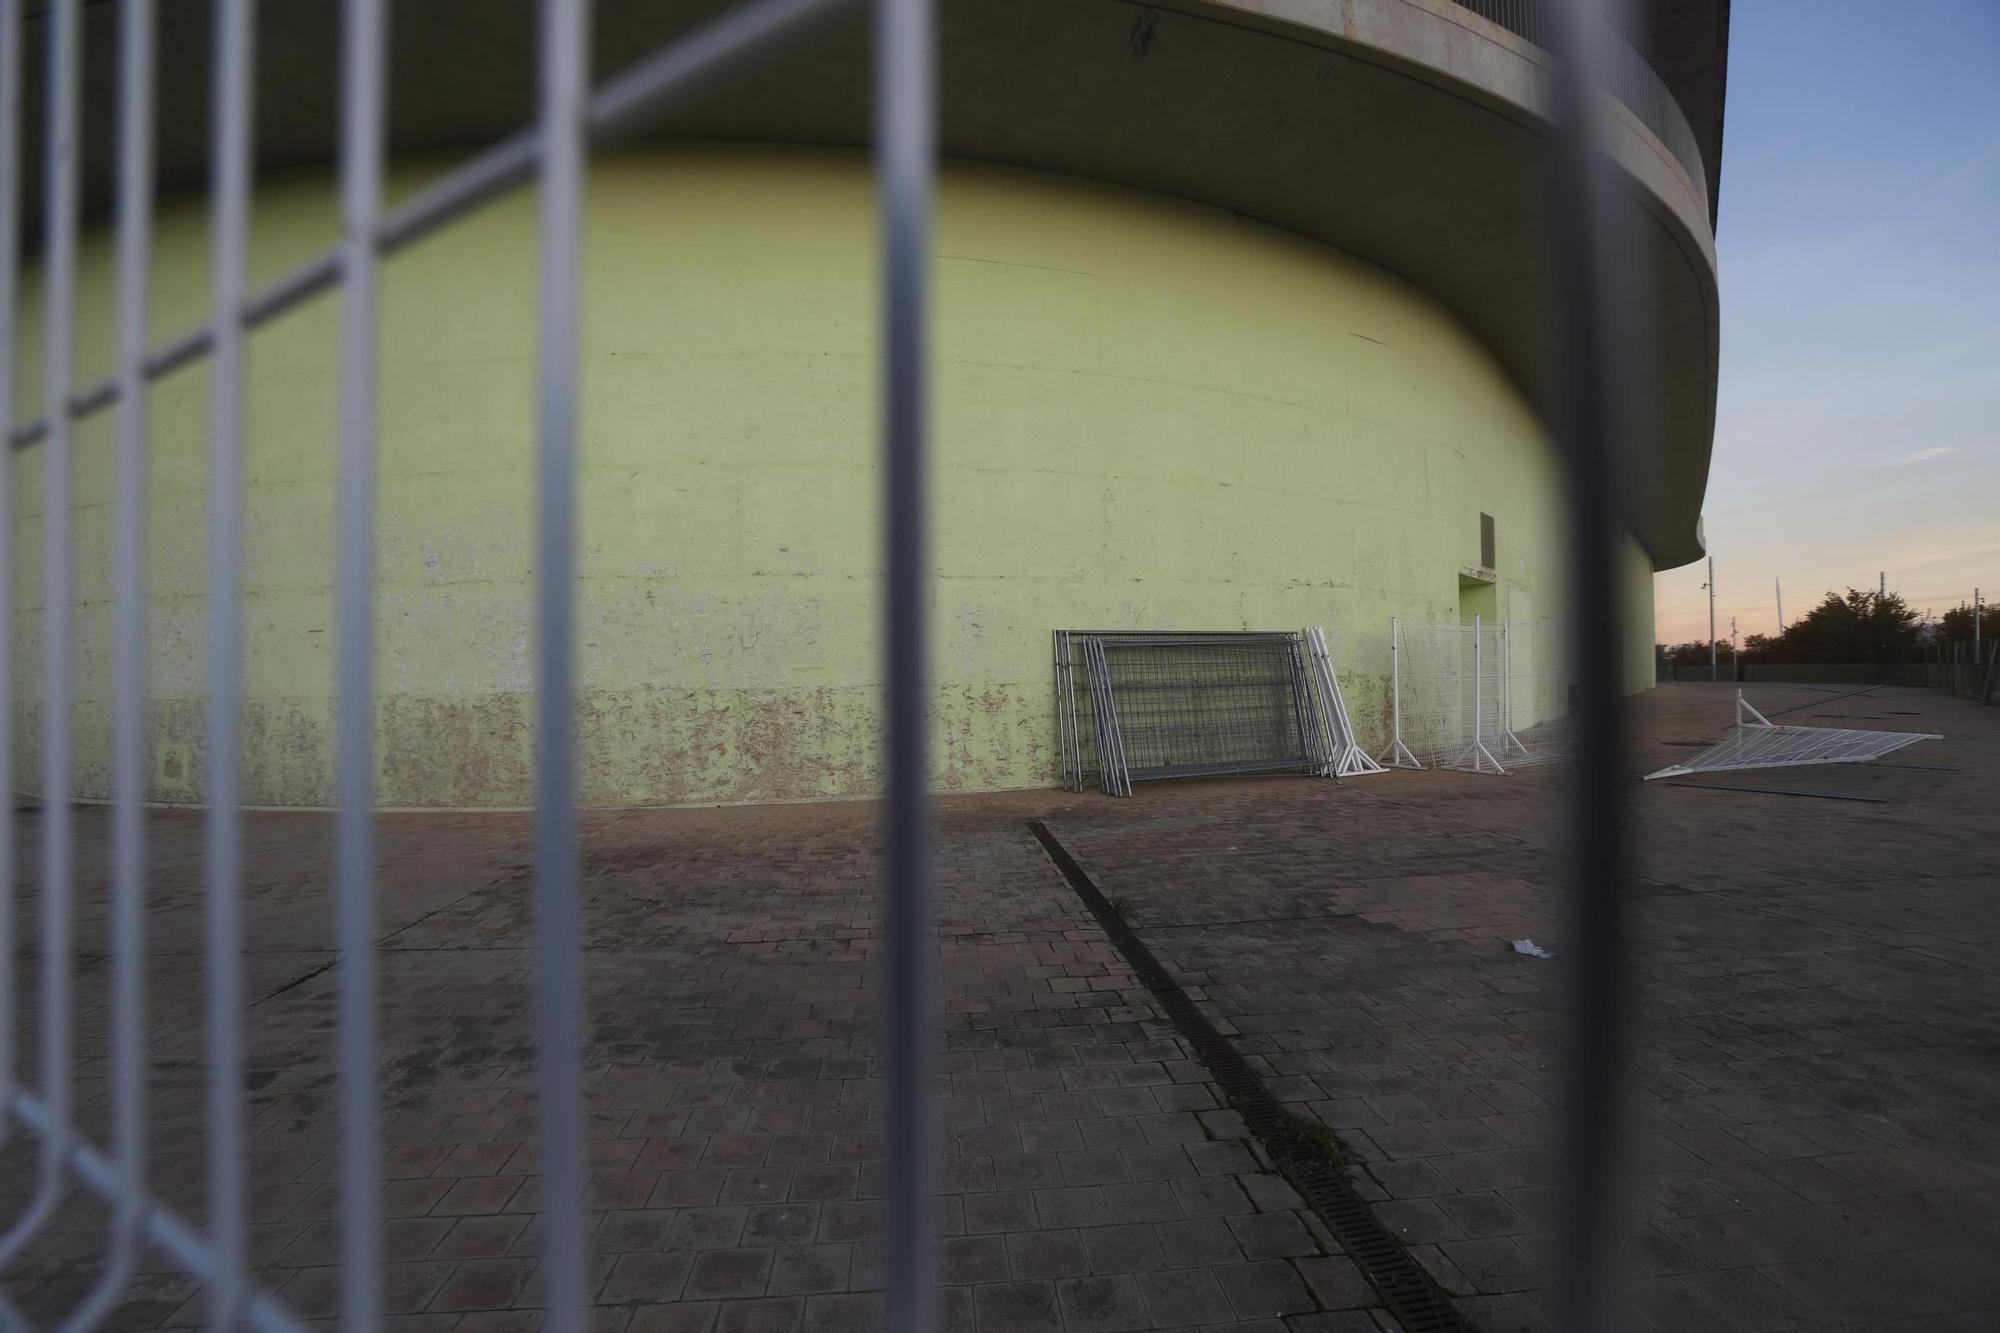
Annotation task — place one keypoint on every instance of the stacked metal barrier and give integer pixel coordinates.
(1136, 706)
(1346, 757)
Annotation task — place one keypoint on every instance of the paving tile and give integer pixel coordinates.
(643, 1229)
(1271, 1194)
(710, 1228)
(484, 1284)
(780, 1314)
(857, 1312)
(780, 1224)
(1072, 1207)
(1016, 1307)
(1272, 1236)
(1263, 1290)
(1185, 1296)
(801, 1270)
(1749, 1299)
(1046, 1255)
(864, 1220)
(476, 1195)
(1337, 1283)
(1102, 1305)
(1124, 1249)
(1006, 1210)
(647, 1279)
(726, 1273)
(965, 1260)
(1215, 1196)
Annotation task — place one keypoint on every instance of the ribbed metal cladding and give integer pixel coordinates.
(553, 153)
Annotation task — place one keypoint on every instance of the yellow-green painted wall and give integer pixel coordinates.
(1147, 413)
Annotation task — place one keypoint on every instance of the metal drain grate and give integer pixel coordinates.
(1405, 1287)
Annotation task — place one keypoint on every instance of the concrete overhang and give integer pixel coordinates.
(1407, 132)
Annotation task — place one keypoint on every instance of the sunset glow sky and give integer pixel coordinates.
(1859, 420)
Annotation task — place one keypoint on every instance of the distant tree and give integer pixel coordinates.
(1764, 649)
(1955, 625)
(1696, 653)
(1859, 627)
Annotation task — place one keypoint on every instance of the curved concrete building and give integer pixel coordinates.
(1238, 324)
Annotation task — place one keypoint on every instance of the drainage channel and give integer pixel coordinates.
(1409, 1292)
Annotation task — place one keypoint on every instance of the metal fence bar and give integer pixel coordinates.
(1587, 421)
(556, 148)
(234, 35)
(905, 147)
(676, 72)
(58, 621)
(167, 1233)
(119, 1177)
(11, 106)
(128, 740)
(364, 36)
(565, 83)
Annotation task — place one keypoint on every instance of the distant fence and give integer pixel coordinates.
(1957, 669)
(1837, 673)
(1953, 667)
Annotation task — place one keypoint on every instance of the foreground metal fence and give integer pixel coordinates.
(572, 112)
(554, 151)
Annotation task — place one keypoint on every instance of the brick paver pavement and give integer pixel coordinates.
(1814, 1100)
(1815, 1097)
(1090, 1179)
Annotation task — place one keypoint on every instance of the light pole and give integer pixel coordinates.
(1713, 673)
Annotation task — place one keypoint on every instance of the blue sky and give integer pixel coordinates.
(1858, 427)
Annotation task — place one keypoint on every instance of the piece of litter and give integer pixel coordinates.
(1532, 949)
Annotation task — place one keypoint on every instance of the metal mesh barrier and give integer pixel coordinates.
(1478, 697)
(553, 150)
(1757, 742)
(1346, 758)
(1537, 694)
(1450, 696)
(1177, 705)
(1434, 697)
